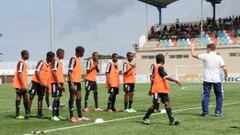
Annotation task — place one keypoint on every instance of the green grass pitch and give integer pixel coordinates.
(191, 122)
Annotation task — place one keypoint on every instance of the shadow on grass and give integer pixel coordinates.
(10, 116)
(152, 123)
(31, 116)
(192, 114)
(234, 127)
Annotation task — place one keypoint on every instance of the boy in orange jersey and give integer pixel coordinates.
(40, 82)
(57, 81)
(91, 81)
(20, 83)
(112, 82)
(160, 90)
(74, 81)
(129, 82)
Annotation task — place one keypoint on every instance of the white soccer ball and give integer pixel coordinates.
(99, 120)
(163, 111)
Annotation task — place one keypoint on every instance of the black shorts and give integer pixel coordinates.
(77, 86)
(21, 92)
(36, 88)
(160, 97)
(90, 85)
(113, 90)
(129, 87)
(56, 92)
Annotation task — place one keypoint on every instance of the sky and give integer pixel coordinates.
(105, 26)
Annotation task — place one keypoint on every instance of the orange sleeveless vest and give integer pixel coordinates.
(160, 85)
(77, 71)
(130, 76)
(44, 73)
(59, 72)
(16, 80)
(92, 75)
(114, 77)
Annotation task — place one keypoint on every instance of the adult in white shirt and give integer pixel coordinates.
(212, 64)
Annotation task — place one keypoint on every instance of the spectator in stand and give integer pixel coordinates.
(193, 30)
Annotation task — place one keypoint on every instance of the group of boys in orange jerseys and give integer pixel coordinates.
(49, 78)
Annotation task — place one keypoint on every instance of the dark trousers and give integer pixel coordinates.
(218, 90)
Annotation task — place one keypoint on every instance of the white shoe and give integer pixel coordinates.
(50, 108)
(163, 111)
(98, 110)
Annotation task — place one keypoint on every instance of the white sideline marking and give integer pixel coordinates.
(125, 118)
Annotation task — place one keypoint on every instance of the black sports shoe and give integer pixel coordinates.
(175, 122)
(27, 116)
(204, 115)
(40, 116)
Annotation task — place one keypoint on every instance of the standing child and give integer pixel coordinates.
(20, 83)
(112, 82)
(91, 81)
(57, 81)
(160, 90)
(129, 82)
(40, 82)
(74, 81)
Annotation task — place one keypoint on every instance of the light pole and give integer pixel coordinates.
(202, 19)
(52, 28)
(146, 16)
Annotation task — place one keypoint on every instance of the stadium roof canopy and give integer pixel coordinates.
(214, 1)
(158, 3)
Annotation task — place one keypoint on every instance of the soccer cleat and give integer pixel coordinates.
(175, 122)
(204, 115)
(55, 118)
(73, 120)
(27, 116)
(146, 121)
(86, 109)
(126, 110)
(163, 111)
(98, 110)
(109, 110)
(50, 108)
(132, 110)
(20, 117)
(218, 114)
(61, 118)
(40, 116)
(115, 110)
(83, 119)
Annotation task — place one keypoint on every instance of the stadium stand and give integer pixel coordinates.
(222, 32)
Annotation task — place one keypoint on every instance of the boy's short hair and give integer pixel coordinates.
(59, 50)
(23, 52)
(129, 53)
(114, 55)
(79, 49)
(94, 53)
(50, 54)
(160, 58)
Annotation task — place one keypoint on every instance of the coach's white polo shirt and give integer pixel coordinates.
(212, 64)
